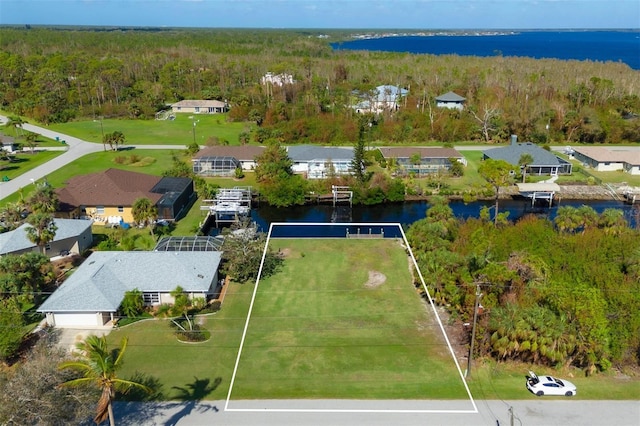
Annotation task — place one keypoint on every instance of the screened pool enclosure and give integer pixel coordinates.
(215, 166)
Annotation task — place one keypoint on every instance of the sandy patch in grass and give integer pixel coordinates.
(376, 279)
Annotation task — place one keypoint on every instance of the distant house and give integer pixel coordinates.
(382, 98)
(73, 236)
(91, 296)
(421, 160)
(607, 160)
(450, 100)
(316, 162)
(107, 197)
(224, 160)
(277, 79)
(544, 162)
(200, 106)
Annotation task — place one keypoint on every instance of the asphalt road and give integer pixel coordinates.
(538, 412)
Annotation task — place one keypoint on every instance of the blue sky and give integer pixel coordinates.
(375, 14)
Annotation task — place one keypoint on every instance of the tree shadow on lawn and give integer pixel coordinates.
(138, 407)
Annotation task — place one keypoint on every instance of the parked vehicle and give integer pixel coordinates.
(548, 385)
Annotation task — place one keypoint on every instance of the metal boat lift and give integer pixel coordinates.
(538, 191)
(230, 205)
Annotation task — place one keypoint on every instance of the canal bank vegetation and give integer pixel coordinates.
(562, 294)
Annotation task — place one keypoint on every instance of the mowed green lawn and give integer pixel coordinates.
(159, 132)
(322, 328)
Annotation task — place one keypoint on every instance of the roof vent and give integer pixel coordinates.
(200, 276)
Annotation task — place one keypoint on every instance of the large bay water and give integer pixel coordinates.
(601, 46)
(403, 213)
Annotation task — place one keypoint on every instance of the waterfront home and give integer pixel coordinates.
(544, 162)
(107, 197)
(92, 295)
(224, 160)
(608, 160)
(317, 162)
(421, 160)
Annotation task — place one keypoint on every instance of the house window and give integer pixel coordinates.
(120, 209)
(151, 298)
(197, 109)
(47, 246)
(100, 209)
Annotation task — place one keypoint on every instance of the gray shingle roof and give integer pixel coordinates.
(302, 153)
(17, 239)
(99, 284)
(450, 97)
(511, 154)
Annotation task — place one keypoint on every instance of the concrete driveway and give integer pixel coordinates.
(70, 336)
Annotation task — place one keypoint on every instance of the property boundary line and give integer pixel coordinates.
(312, 410)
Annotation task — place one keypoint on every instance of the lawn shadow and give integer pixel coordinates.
(190, 395)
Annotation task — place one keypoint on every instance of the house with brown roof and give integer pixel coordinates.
(607, 160)
(421, 160)
(224, 160)
(200, 106)
(107, 197)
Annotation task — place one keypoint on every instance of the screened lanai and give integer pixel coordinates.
(216, 166)
(201, 243)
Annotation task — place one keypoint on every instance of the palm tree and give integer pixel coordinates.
(43, 199)
(523, 162)
(32, 141)
(144, 212)
(42, 230)
(98, 366)
(16, 122)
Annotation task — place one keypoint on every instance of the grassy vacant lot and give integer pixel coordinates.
(321, 328)
(158, 132)
(343, 320)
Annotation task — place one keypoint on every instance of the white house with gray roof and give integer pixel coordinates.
(544, 162)
(91, 296)
(73, 236)
(450, 100)
(317, 162)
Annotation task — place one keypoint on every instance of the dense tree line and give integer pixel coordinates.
(56, 75)
(557, 293)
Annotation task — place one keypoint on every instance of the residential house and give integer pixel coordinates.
(606, 160)
(316, 162)
(382, 98)
(224, 160)
(421, 160)
(73, 236)
(92, 295)
(544, 162)
(9, 144)
(277, 79)
(450, 100)
(200, 106)
(107, 197)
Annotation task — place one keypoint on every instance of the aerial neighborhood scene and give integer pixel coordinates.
(291, 213)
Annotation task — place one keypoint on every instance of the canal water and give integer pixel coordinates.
(403, 213)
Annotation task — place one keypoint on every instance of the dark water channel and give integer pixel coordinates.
(404, 213)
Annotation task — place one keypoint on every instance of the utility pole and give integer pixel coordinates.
(473, 330)
(194, 131)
